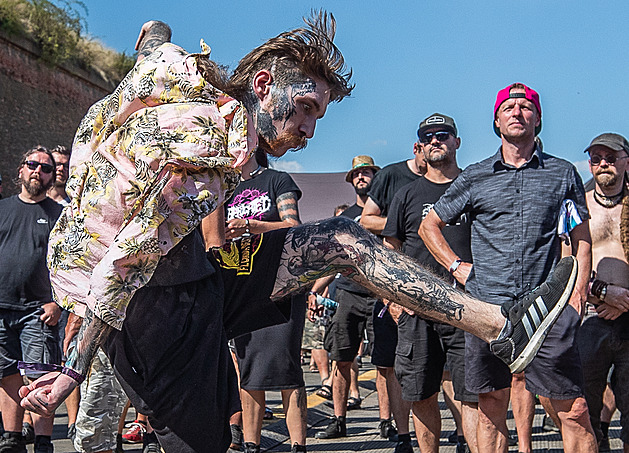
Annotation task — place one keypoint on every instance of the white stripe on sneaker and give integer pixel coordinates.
(527, 326)
(541, 305)
(531, 321)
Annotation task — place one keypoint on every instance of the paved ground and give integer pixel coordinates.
(362, 425)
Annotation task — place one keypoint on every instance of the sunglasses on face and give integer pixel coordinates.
(441, 136)
(33, 164)
(611, 160)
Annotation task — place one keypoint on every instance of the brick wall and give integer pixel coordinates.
(39, 104)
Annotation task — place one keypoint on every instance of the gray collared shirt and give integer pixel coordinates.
(514, 213)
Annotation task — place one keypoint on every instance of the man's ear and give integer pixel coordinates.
(262, 81)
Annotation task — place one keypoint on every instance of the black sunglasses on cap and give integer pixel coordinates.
(441, 136)
(33, 164)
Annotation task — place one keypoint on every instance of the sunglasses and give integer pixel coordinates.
(611, 160)
(33, 164)
(441, 136)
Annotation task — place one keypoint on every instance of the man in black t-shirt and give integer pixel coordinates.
(355, 308)
(425, 346)
(28, 328)
(389, 180)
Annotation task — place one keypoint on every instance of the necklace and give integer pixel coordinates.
(608, 201)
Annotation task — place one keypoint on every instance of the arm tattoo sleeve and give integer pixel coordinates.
(287, 206)
(92, 334)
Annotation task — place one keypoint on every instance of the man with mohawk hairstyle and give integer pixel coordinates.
(153, 159)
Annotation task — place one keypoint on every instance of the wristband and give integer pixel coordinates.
(78, 377)
(47, 367)
(599, 289)
(603, 292)
(454, 266)
(312, 293)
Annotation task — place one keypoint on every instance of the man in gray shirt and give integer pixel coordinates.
(514, 199)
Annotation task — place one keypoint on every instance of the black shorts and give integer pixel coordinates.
(423, 350)
(555, 372)
(270, 358)
(348, 324)
(385, 337)
(171, 356)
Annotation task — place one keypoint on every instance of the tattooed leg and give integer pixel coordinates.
(340, 245)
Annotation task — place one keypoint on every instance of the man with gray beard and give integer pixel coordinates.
(28, 317)
(603, 338)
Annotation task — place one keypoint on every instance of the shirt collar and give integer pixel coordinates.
(537, 159)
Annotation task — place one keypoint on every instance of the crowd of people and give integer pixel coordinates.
(127, 268)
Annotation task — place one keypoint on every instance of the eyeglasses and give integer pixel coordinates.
(611, 159)
(33, 164)
(441, 136)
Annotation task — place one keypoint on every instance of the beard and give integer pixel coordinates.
(605, 179)
(362, 191)
(283, 143)
(35, 187)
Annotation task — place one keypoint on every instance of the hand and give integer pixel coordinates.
(395, 311)
(238, 227)
(462, 272)
(44, 395)
(617, 297)
(608, 312)
(51, 314)
(313, 309)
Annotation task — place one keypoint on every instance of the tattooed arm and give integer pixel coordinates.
(289, 215)
(152, 35)
(46, 394)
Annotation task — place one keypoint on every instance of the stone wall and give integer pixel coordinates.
(39, 104)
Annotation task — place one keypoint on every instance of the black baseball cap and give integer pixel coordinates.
(612, 141)
(437, 120)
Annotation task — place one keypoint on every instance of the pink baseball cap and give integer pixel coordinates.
(528, 94)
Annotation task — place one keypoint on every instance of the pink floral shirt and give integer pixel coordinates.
(149, 162)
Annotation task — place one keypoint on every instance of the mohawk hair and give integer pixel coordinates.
(310, 50)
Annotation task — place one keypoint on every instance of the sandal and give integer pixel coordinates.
(353, 402)
(325, 391)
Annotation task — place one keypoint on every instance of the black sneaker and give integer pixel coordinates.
(72, 432)
(28, 432)
(43, 445)
(237, 438)
(387, 429)
(403, 447)
(461, 447)
(152, 447)
(530, 319)
(298, 448)
(603, 445)
(12, 443)
(548, 425)
(250, 447)
(119, 448)
(335, 429)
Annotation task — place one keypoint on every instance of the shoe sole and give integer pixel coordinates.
(530, 350)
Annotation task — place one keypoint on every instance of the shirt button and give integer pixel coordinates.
(517, 190)
(517, 261)
(517, 214)
(517, 285)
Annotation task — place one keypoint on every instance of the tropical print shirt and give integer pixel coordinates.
(149, 162)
